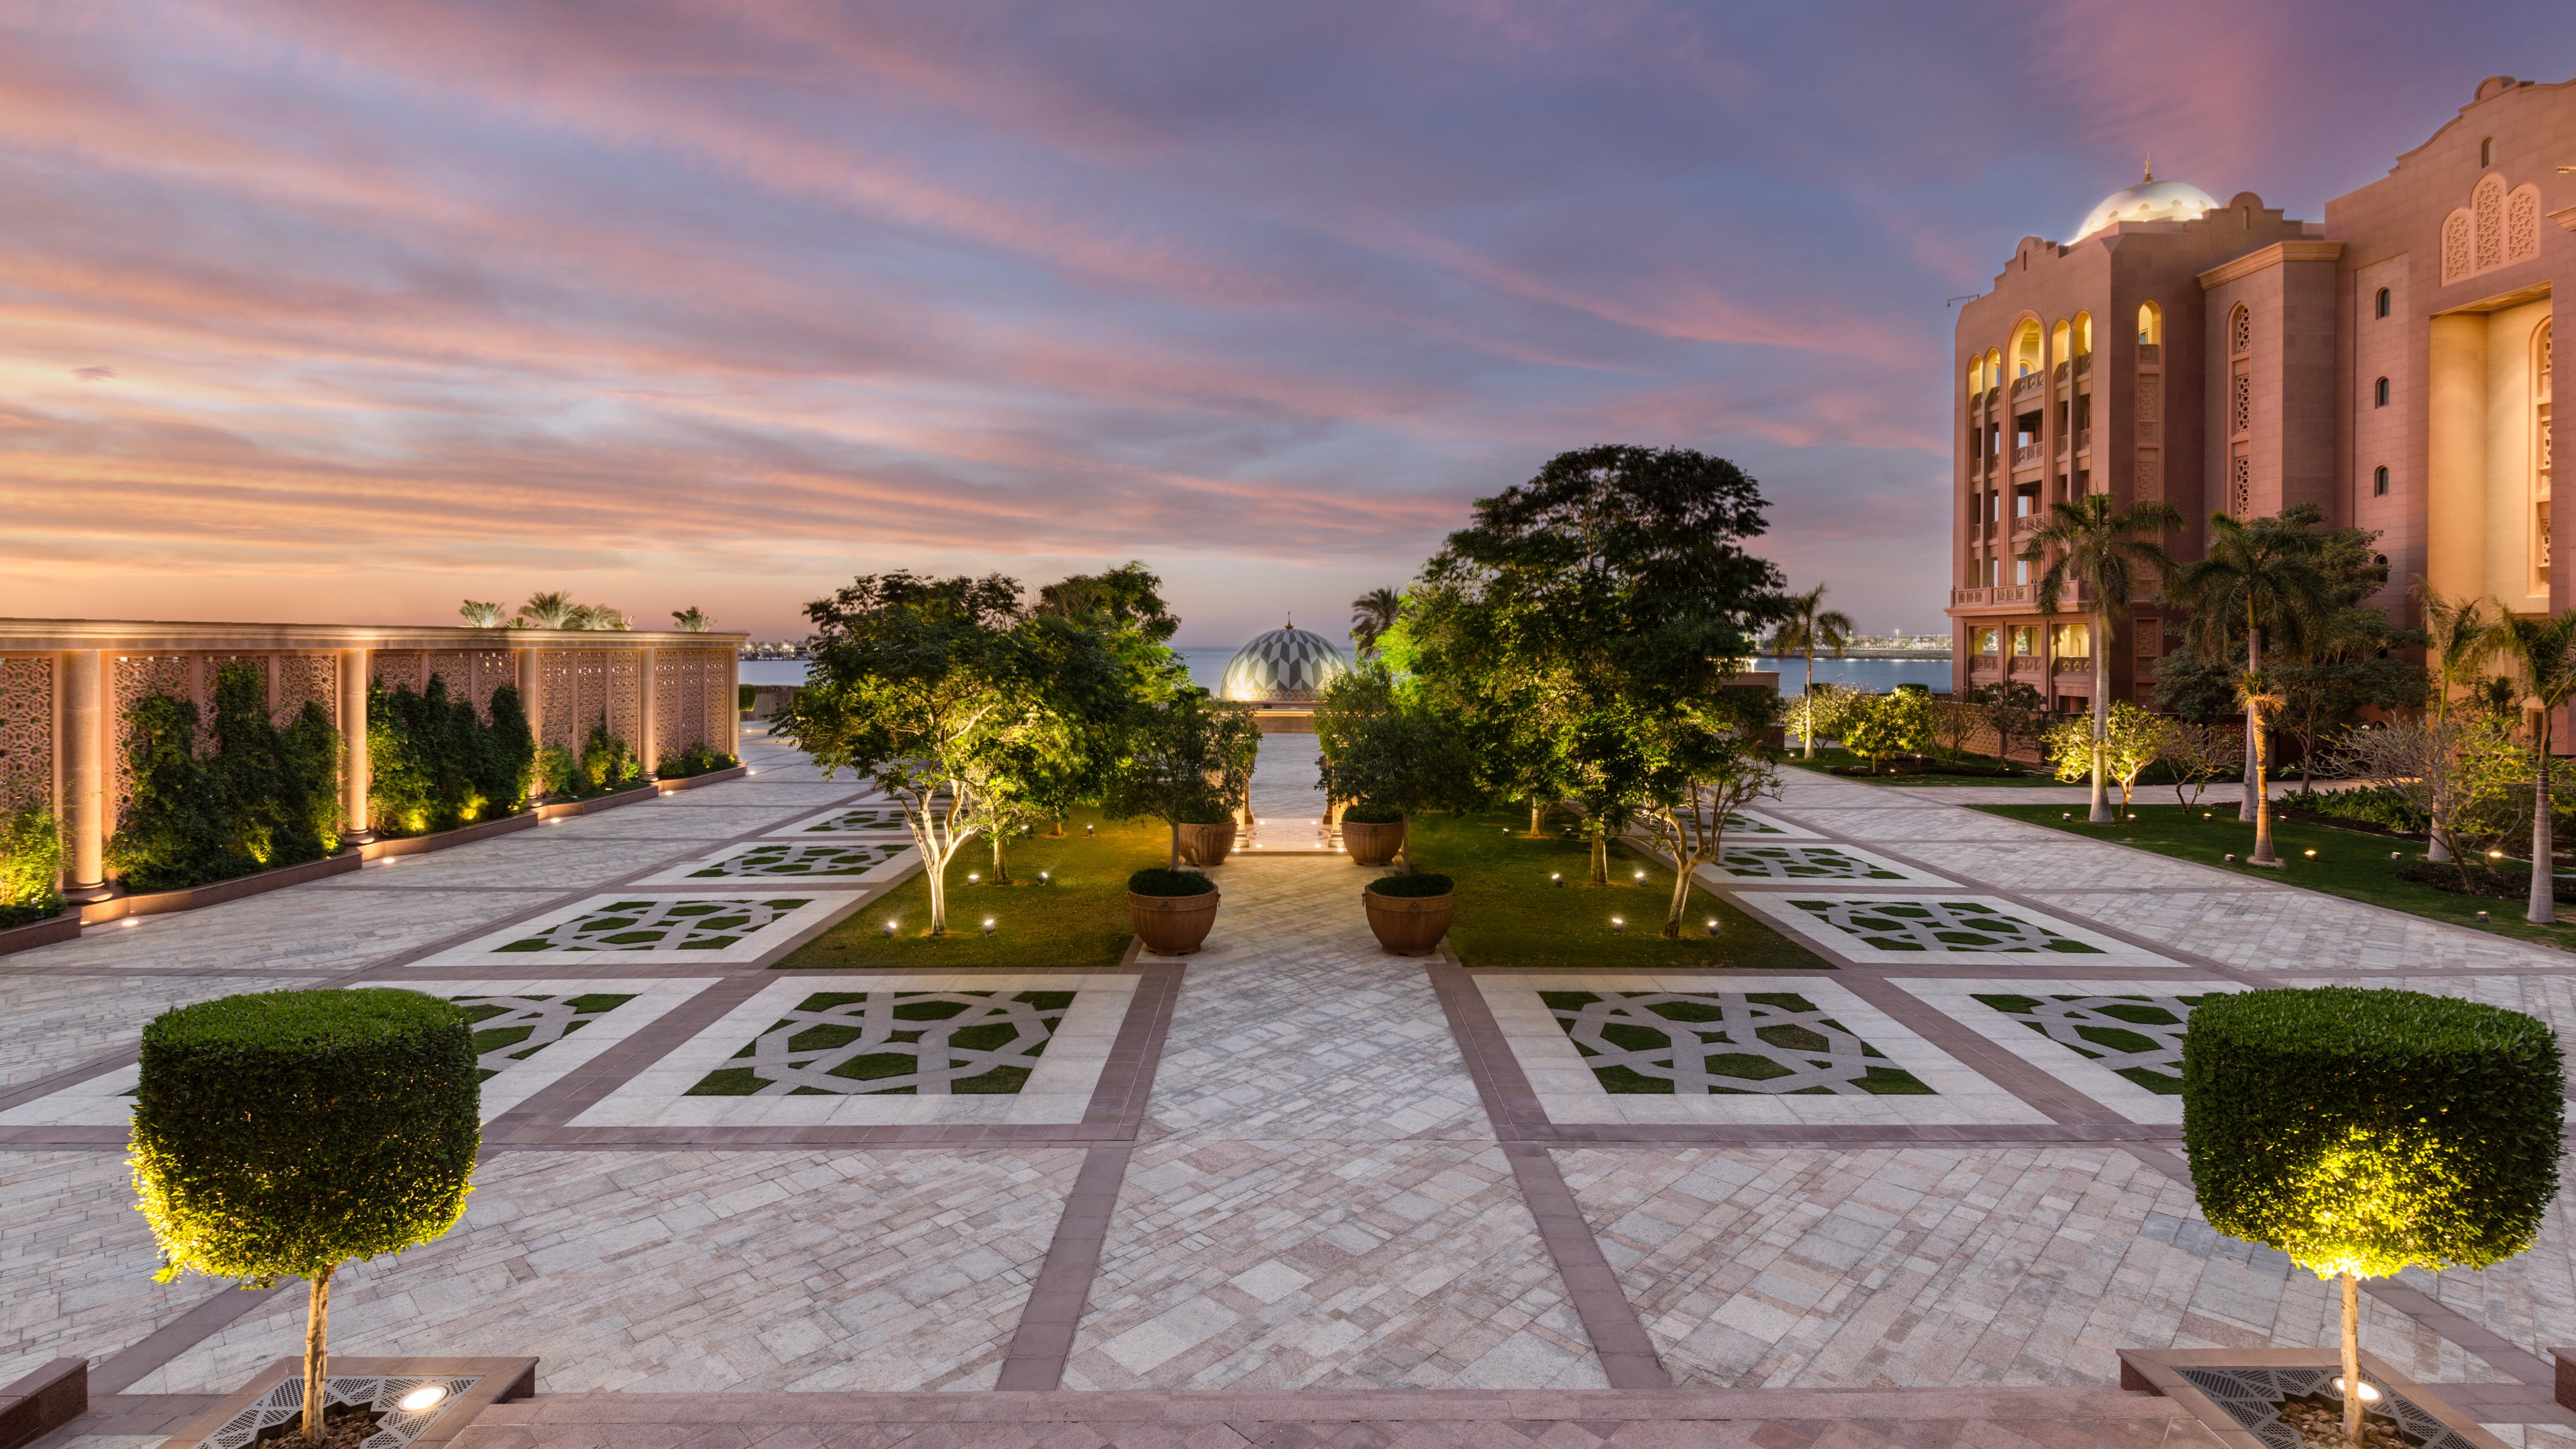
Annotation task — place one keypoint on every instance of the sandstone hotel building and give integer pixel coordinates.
(2390, 364)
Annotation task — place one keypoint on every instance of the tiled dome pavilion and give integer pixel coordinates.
(1285, 666)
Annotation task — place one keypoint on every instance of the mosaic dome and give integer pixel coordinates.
(2149, 200)
(1284, 666)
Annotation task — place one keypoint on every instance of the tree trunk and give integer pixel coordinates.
(2102, 716)
(1600, 857)
(2544, 870)
(1684, 862)
(2352, 1360)
(317, 1359)
(1404, 847)
(1176, 844)
(1056, 831)
(1811, 701)
(1538, 817)
(2262, 798)
(1001, 861)
(2253, 662)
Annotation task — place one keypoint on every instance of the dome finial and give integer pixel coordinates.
(2151, 169)
(1291, 616)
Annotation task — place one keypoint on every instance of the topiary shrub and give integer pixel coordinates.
(1372, 815)
(1158, 881)
(1417, 886)
(31, 866)
(281, 1134)
(2362, 1131)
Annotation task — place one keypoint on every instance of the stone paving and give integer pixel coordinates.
(1326, 1198)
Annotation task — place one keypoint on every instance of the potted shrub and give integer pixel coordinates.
(280, 1134)
(1372, 833)
(1410, 913)
(2363, 1131)
(1171, 909)
(1205, 841)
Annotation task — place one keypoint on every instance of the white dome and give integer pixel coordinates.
(2149, 200)
(1286, 665)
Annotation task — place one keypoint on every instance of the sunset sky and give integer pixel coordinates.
(348, 311)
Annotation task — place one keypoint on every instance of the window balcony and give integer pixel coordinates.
(2061, 445)
(2025, 526)
(2084, 440)
(2027, 386)
(2151, 354)
(2073, 664)
(2026, 456)
(2083, 363)
(2009, 594)
(1967, 598)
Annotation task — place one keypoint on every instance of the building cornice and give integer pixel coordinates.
(2565, 217)
(145, 636)
(2271, 256)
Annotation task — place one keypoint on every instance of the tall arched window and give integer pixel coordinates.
(2378, 397)
(2486, 151)
(2026, 353)
(1994, 368)
(2381, 306)
(2240, 331)
(2151, 325)
(2379, 482)
(2083, 333)
(1976, 375)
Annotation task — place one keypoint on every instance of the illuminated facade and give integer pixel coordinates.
(2390, 365)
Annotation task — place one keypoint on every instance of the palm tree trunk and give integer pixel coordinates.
(2543, 907)
(2253, 662)
(1811, 701)
(2262, 799)
(2101, 714)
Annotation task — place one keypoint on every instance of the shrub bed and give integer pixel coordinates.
(1372, 815)
(261, 797)
(1159, 881)
(2506, 883)
(1416, 886)
(2379, 805)
(435, 765)
(31, 866)
(694, 761)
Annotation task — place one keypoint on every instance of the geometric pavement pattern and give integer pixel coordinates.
(2139, 1037)
(686, 924)
(1799, 862)
(1938, 925)
(1731, 1042)
(514, 1028)
(909, 1043)
(874, 817)
(776, 858)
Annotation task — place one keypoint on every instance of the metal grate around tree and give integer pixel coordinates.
(2255, 1398)
(1697, 1044)
(909, 1043)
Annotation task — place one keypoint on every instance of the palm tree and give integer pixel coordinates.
(1808, 627)
(2108, 550)
(691, 620)
(481, 615)
(2262, 699)
(549, 611)
(2266, 574)
(2461, 637)
(2543, 648)
(1372, 614)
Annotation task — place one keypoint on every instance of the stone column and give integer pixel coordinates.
(532, 691)
(87, 715)
(356, 773)
(733, 702)
(652, 746)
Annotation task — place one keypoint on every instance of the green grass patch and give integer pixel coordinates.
(1509, 916)
(1829, 758)
(1075, 917)
(2347, 863)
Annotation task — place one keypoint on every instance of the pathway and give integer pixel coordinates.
(1288, 1187)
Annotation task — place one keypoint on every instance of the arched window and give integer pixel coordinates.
(2240, 331)
(2026, 353)
(2379, 393)
(2486, 151)
(2151, 325)
(2379, 482)
(1976, 375)
(2083, 333)
(2381, 307)
(1994, 368)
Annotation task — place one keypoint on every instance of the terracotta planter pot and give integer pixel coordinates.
(1205, 845)
(1409, 925)
(1172, 925)
(1372, 844)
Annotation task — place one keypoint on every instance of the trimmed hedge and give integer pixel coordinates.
(2368, 1130)
(262, 797)
(1372, 815)
(281, 1133)
(694, 761)
(1156, 881)
(435, 764)
(1416, 886)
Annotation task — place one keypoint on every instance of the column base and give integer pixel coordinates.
(358, 837)
(82, 895)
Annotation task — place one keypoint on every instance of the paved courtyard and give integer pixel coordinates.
(1289, 1190)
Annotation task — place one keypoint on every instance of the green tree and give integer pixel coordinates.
(2015, 712)
(1455, 649)
(1071, 763)
(1372, 614)
(1614, 581)
(2363, 1132)
(1384, 745)
(2197, 688)
(2541, 647)
(928, 686)
(2091, 544)
(1808, 627)
(2460, 637)
(2131, 742)
(482, 615)
(282, 1134)
(1702, 764)
(1888, 726)
(2345, 665)
(1183, 756)
(2277, 576)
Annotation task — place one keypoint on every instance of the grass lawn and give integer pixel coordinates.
(1509, 916)
(1832, 757)
(1076, 918)
(2347, 863)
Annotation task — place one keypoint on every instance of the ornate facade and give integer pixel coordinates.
(65, 685)
(2390, 365)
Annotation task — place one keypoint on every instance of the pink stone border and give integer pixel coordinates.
(443, 839)
(65, 926)
(215, 893)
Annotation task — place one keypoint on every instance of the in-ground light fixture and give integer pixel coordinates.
(988, 925)
(428, 1394)
(1618, 926)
